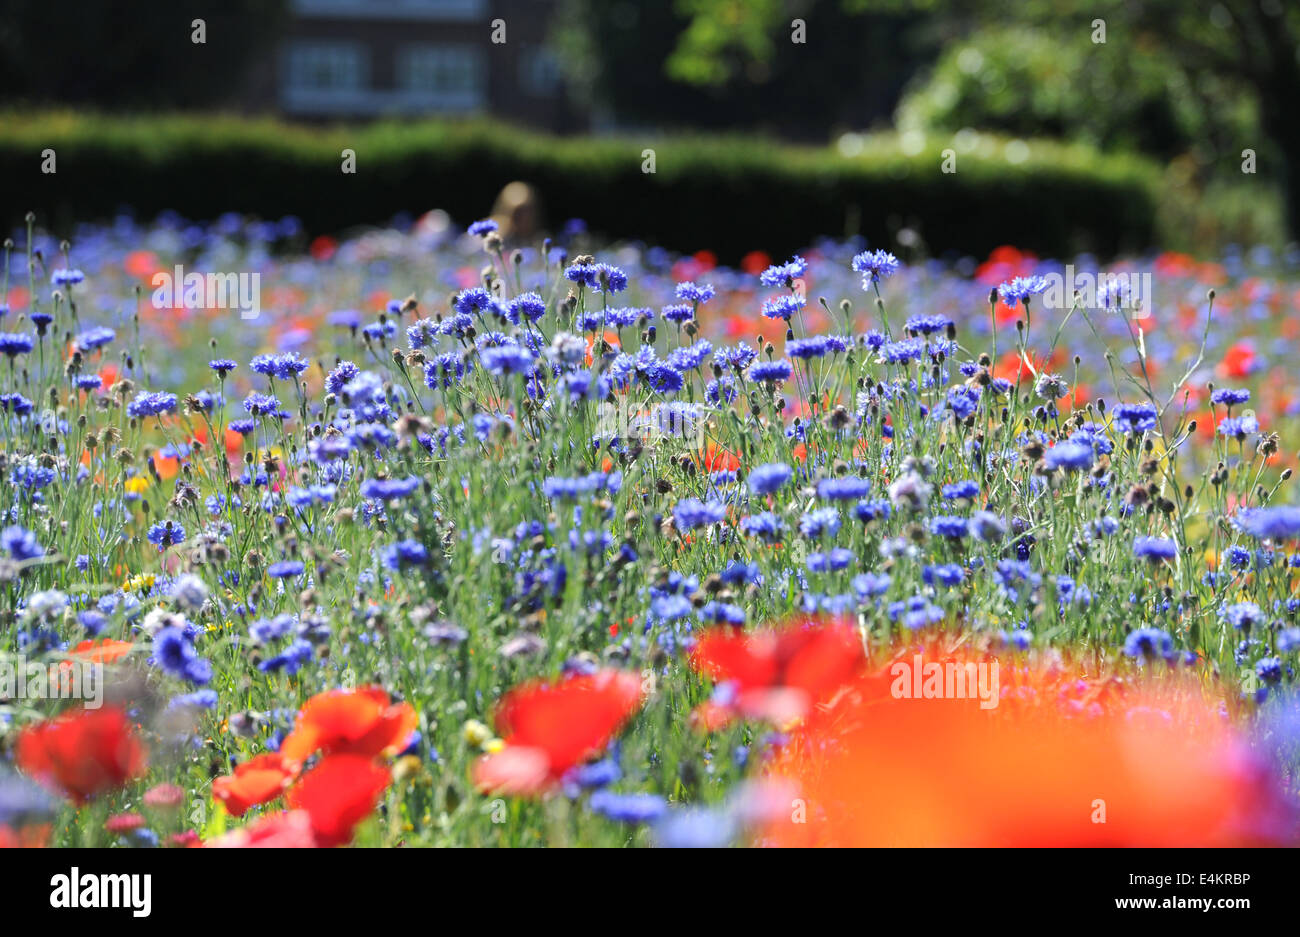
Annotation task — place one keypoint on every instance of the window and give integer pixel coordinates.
(326, 66)
(539, 71)
(443, 76)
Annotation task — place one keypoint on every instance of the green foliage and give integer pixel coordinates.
(707, 193)
(1111, 95)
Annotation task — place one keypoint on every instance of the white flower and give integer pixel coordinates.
(46, 604)
(159, 618)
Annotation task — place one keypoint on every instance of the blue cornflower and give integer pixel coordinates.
(174, 652)
(694, 293)
(1229, 397)
(474, 299)
(783, 307)
(819, 522)
(1133, 418)
(628, 808)
(404, 554)
(1238, 427)
(875, 266)
(928, 325)
(165, 534)
(678, 312)
(902, 352)
(1021, 288)
(528, 306)
(281, 367)
(94, 338)
(285, 569)
(1269, 669)
(482, 228)
(948, 574)
(967, 488)
(149, 403)
(1243, 615)
(389, 489)
(784, 274)
(507, 359)
(692, 512)
(1069, 455)
(963, 401)
(1154, 548)
(1271, 523)
(20, 543)
(739, 357)
(814, 347)
(954, 528)
(766, 479)
(845, 488)
(775, 371)
(1148, 644)
(766, 526)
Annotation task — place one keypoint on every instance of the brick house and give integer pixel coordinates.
(355, 59)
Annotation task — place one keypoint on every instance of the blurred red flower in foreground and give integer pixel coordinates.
(338, 794)
(258, 780)
(1061, 761)
(775, 675)
(82, 754)
(289, 830)
(359, 722)
(549, 728)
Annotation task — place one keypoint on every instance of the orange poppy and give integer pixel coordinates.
(1064, 760)
(359, 722)
(258, 780)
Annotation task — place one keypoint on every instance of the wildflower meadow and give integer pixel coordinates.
(455, 542)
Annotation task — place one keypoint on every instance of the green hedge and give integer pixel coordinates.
(728, 194)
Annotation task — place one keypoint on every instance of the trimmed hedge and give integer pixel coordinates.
(726, 194)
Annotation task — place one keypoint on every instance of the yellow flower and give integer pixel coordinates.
(141, 583)
(476, 733)
(494, 745)
(137, 485)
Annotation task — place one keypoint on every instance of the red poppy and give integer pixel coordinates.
(104, 651)
(338, 794)
(755, 262)
(549, 728)
(258, 780)
(777, 675)
(1066, 759)
(1238, 361)
(717, 459)
(359, 722)
(82, 754)
(36, 836)
(289, 830)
